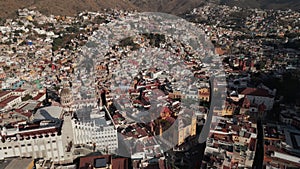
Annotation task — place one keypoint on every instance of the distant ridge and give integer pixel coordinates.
(8, 8)
(263, 4)
(167, 6)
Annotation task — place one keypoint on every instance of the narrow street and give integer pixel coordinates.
(259, 153)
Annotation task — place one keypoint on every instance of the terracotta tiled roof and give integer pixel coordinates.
(38, 96)
(255, 92)
(19, 90)
(120, 163)
(220, 51)
(4, 102)
(89, 160)
(3, 93)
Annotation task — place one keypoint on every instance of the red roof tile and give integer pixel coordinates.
(120, 163)
(3, 93)
(19, 90)
(255, 92)
(89, 160)
(4, 102)
(38, 96)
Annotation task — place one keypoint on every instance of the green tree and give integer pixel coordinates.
(26, 97)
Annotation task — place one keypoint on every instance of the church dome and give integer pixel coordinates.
(66, 97)
(65, 92)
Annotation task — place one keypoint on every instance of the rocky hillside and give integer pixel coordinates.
(264, 4)
(61, 7)
(70, 7)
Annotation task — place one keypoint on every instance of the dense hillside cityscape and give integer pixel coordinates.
(214, 87)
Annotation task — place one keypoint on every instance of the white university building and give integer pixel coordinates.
(55, 135)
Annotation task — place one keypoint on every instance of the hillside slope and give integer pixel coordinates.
(8, 8)
(264, 4)
(168, 6)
